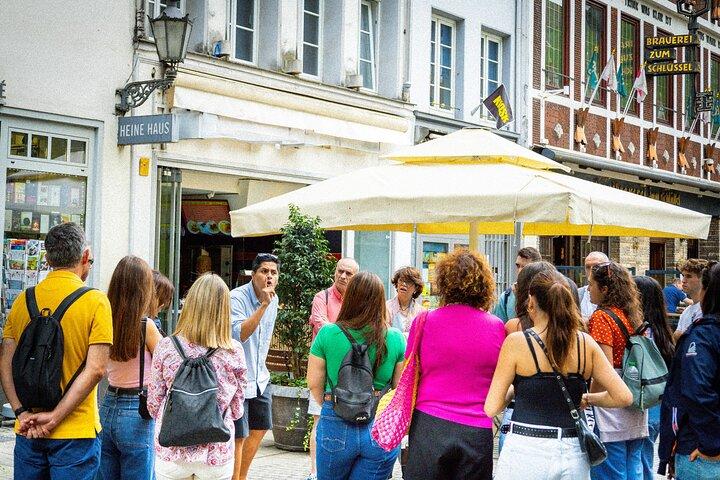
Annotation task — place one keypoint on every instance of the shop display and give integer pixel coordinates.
(25, 266)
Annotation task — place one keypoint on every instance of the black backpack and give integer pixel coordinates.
(38, 360)
(354, 395)
(192, 415)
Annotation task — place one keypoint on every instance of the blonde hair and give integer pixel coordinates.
(205, 317)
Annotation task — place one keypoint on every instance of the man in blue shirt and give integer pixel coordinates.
(254, 309)
(673, 295)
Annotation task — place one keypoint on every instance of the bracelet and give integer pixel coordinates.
(19, 411)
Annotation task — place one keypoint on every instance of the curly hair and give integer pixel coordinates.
(693, 265)
(465, 277)
(409, 274)
(621, 292)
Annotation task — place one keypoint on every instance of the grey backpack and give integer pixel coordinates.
(192, 415)
(643, 368)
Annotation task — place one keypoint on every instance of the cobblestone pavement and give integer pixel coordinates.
(270, 463)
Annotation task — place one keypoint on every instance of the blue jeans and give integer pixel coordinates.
(45, 459)
(624, 461)
(127, 440)
(648, 452)
(345, 451)
(700, 469)
(507, 415)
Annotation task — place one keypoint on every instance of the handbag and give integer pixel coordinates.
(590, 444)
(395, 409)
(142, 394)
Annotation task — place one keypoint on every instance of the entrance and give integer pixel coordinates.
(193, 236)
(657, 260)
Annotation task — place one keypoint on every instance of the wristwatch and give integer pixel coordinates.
(19, 411)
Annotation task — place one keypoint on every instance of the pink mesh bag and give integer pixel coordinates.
(395, 410)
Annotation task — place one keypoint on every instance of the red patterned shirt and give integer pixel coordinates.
(606, 332)
(230, 371)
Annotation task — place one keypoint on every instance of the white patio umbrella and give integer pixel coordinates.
(471, 198)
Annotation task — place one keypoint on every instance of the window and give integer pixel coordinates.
(243, 29)
(664, 95)
(442, 63)
(490, 66)
(688, 82)
(42, 146)
(629, 59)
(367, 45)
(311, 37)
(555, 44)
(715, 87)
(595, 44)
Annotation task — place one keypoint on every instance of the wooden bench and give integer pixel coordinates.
(278, 360)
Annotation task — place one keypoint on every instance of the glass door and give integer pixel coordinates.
(167, 237)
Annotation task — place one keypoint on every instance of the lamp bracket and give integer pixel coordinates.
(135, 94)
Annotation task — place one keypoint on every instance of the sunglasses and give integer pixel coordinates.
(266, 257)
(598, 268)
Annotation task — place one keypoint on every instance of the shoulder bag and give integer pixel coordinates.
(589, 442)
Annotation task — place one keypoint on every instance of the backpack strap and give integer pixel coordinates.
(348, 335)
(506, 298)
(31, 303)
(619, 323)
(327, 296)
(68, 301)
(178, 347)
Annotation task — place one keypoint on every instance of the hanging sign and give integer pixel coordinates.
(498, 105)
(672, 41)
(660, 55)
(2, 92)
(147, 129)
(669, 68)
(704, 101)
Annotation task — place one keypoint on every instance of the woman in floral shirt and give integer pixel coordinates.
(204, 323)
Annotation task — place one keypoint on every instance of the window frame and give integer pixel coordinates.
(565, 71)
(301, 38)
(602, 51)
(373, 13)
(670, 79)
(634, 106)
(50, 136)
(435, 64)
(484, 61)
(714, 59)
(232, 27)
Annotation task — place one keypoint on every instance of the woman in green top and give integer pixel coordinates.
(345, 449)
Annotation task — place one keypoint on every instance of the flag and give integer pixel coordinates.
(620, 82)
(498, 104)
(640, 85)
(592, 72)
(608, 74)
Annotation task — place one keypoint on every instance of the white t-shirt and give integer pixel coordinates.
(586, 306)
(689, 315)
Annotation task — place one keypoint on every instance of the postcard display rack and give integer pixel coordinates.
(34, 203)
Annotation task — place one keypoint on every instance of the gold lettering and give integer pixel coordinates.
(502, 109)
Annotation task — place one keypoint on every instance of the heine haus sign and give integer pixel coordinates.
(147, 129)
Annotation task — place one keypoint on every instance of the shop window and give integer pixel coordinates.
(490, 66)
(629, 59)
(367, 44)
(244, 30)
(372, 252)
(595, 45)
(311, 36)
(442, 63)
(48, 147)
(555, 42)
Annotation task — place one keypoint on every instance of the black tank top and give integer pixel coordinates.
(538, 399)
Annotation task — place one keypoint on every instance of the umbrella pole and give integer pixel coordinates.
(414, 246)
(517, 241)
(474, 232)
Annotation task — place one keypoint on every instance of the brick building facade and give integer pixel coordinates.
(565, 37)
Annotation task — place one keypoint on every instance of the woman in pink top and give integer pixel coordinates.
(450, 435)
(204, 323)
(127, 438)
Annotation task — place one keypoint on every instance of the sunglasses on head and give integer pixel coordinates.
(600, 266)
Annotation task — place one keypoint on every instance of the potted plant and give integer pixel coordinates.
(306, 267)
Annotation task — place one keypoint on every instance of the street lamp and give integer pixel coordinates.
(171, 31)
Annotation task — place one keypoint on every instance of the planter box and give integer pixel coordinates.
(290, 417)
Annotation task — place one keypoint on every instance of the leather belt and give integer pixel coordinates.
(540, 432)
(123, 391)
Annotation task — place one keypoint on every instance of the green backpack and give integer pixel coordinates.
(643, 368)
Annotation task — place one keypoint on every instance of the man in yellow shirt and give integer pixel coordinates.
(62, 443)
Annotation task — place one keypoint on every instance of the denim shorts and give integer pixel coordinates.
(532, 458)
(257, 414)
(43, 458)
